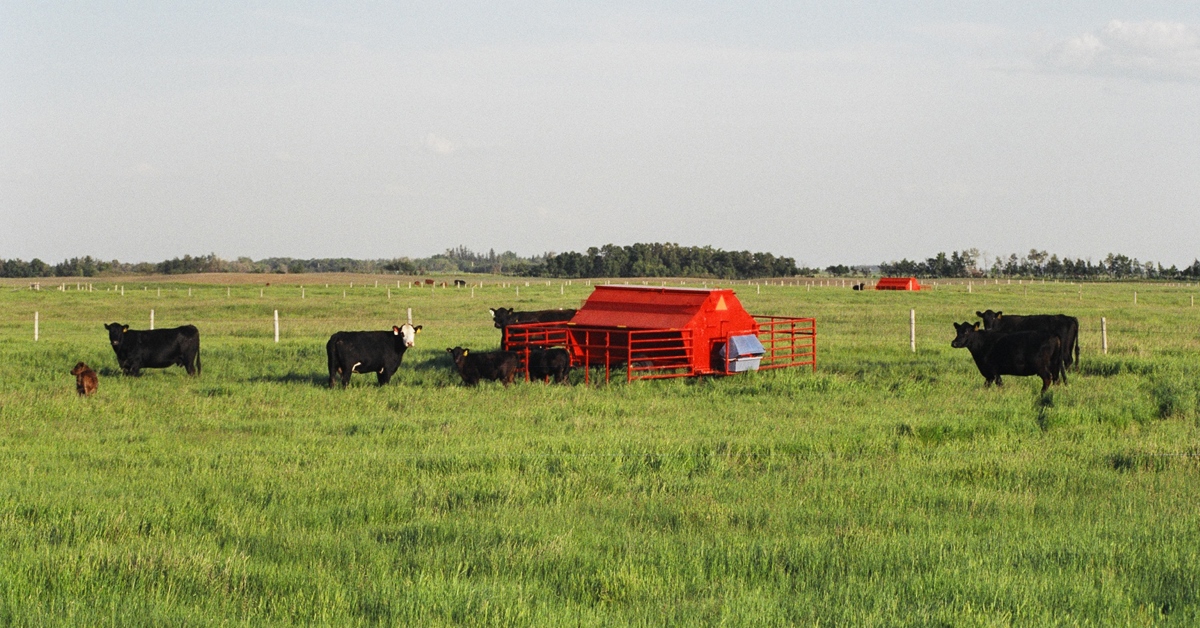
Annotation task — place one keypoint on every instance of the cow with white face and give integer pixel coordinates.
(378, 352)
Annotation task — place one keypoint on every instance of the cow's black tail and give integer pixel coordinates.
(197, 360)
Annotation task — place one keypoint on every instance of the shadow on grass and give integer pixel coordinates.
(319, 380)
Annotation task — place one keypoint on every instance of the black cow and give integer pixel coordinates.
(494, 365)
(1021, 353)
(155, 348)
(460, 283)
(1061, 325)
(378, 352)
(549, 363)
(505, 316)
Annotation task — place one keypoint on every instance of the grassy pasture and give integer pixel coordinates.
(887, 488)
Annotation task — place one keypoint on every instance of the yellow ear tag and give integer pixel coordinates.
(465, 352)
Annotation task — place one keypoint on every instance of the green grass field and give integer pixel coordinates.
(887, 488)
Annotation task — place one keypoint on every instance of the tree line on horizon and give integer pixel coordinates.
(1035, 264)
(636, 260)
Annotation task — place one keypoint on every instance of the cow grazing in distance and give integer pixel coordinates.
(1061, 325)
(155, 348)
(1022, 353)
(546, 364)
(429, 282)
(505, 316)
(459, 283)
(494, 365)
(378, 352)
(86, 380)
(859, 286)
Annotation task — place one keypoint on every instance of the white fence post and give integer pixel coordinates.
(1104, 334)
(276, 326)
(151, 319)
(410, 316)
(35, 326)
(912, 330)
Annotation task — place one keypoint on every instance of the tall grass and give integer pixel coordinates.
(887, 488)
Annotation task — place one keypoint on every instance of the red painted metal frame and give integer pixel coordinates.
(658, 353)
(788, 341)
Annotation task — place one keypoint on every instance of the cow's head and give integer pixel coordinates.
(502, 316)
(407, 333)
(989, 318)
(79, 369)
(963, 334)
(116, 333)
(457, 354)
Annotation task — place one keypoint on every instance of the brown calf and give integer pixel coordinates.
(85, 379)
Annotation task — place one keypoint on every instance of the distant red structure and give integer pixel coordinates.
(898, 283)
(671, 332)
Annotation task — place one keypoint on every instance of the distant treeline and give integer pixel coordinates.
(1038, 264)
(637, 260)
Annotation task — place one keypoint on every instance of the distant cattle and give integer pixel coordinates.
(549, 364)
(1061, 325)
(494, 365)
(155, 348)
(459, 283)
(378, 352)
(505, 316)
(429, 282)
(1022, 353)
(417, 283)
(859, 286)
(86, 380)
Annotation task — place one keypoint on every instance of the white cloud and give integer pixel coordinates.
(439, 145)
(1157, 50)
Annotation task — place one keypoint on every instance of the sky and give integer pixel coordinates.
(833, 133)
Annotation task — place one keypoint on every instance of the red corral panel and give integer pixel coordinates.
(666, 332)
(898, 283)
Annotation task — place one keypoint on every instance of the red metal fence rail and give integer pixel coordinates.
(658, 353)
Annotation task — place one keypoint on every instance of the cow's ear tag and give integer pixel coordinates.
(125, 329)
(465, 352)
(976, 326)
(417, 329)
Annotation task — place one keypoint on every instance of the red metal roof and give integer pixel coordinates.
(898, 283)
(649, 307)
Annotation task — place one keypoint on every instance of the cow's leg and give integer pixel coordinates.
(189, 367)
(1046, 377)
(345, 376)
(383, 376)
